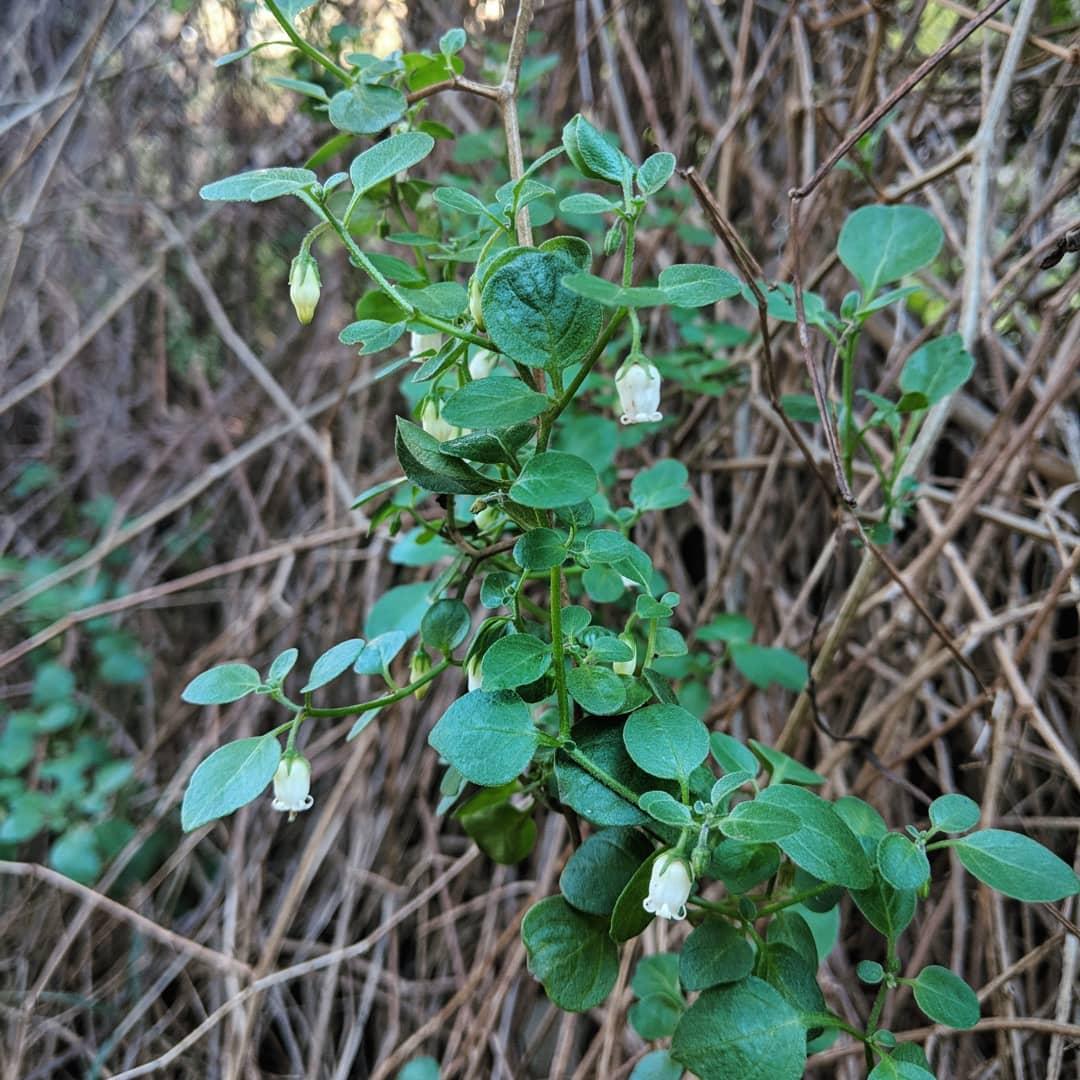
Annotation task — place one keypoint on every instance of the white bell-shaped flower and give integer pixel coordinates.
(292, 785)
(638, 385)
(669, 887)
(431, 420)
(423, 343)
(476, 309)
(304, 286)
(483, 363)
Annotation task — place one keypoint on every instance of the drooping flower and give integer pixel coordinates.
(483, 363)
(669, 887)
(304, 286)
(638, 385)
(488, 519)
(472, 671)
(431, 420)
(475, 308)
(626, 667)
(292, 784)
(424, 343)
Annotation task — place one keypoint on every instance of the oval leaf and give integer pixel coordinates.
(332, 663)
(488, 737)
(553, 479)
(1017, 866)
(666, 741)
(229, 778)
(222, 684)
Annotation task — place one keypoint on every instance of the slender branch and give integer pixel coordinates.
(508, 106)
(306, 47)
(558, 654)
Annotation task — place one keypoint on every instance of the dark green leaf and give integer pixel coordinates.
(598, 690)
(946, 998)
(759, 823)
(494, 402)
(600, 869)
(1017, 866)
(515, 660)
(715, 953)
(954, 813)
(689, 285)
(445, 625)
(552, 479)
(427, 466)
(630, 917)
(488, 737)
(570, 953)
(937, 369)
(601, 742)
(666, 741)
(540, 549)
(902, 864)
(764, 666)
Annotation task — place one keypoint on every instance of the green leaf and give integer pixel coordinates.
(801, 407)
(515, 660)
(660, 487)
(764, 666)
(611, 295)
(570, 953)
(657, 1066)
(231, 777)
(665, 808)
(452, 42)
(552, 479)
(630, 917)
(598, 690)
(300, 86)
(494, 402)
(954, 813)
(367, 108)
(791, 929)
(730, 627)
(741, 866)
(728, 784)
(540, 549)
(371, 335)
(488, 737)
(332, 663)
(655, 171)
(731, 755)
(600, 869)
(666, 741)
(379, 652)
(587, 203)
(937, 369)
(504, 833)
(533, 318)
(445, 625)
(245, 186)
(784, 769)
(283, 663)
(715, 953)
(292, 8)
(375, 491)
(443, 300)
(792, 974)
(880, 244)
(889, 911)
(427, 466)
(946, 998)
(891, 1068)
(689, 285)
(421, 1068)
(400, 608)
(463, 202)
(75, 854)
(746, 1030)
(1016, 865)
(903, 865)
(759, 823)
(870, 972)
(655, 1016)
(823, 845)
(610, 548)
(862, 819)
(601, 742)
(591, 154)
(25, 818)
(490, 447)
(222, 684)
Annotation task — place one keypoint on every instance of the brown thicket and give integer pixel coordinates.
(148, 353)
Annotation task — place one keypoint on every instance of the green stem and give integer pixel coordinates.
(305, 47)
(597, 773)
(367, 706)
(798, 898)
(847, 436)
(369, 267)
(558, 654)
(454, 331)
(547, 421)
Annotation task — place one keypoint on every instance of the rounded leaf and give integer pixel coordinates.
(954, 813)
(714, 954)
(515, 660)
(599, 870)
(666, 741)
(1017, 866)
(445, 625)
(946, 998)
(222, 684)
(488, 737)
(570, 953)
(879, 244)
(231, 777)
(553, 479)
(903, 865)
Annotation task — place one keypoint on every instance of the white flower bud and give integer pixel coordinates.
(424, 343)
(304, 286)
(292, 784)
(488, 519)
(483, 363)
(669, 887)
(472, 671)
(638, 385)
(475, 310)
(626, 667)
(431, 420)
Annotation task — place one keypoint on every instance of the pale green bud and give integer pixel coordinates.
(475, 309)
(419, 666)
(304, 286)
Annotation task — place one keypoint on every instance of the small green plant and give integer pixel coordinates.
(582, 696)
(59, 777)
